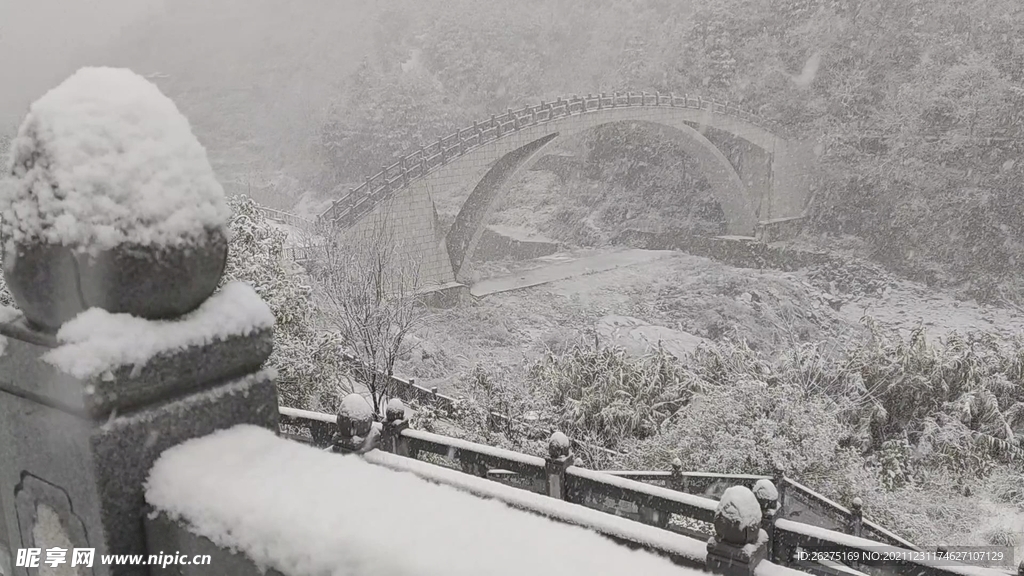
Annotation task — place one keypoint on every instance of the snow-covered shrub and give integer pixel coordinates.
(611, 396)
(308, 361)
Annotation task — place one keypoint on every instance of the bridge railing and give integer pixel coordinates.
(666, 508)
(417, 164)
(801, 498)
(288, 218)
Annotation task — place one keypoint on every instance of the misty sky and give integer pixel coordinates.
(44, 41)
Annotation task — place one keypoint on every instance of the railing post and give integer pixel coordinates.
(559, 459)
(357, 433)
(615, 99)
(600, 101)
(677, 481)
(739, 543)
(394, 424)
(768, 497)
(779, 480)
(440, 147)
(672, 99)
(856, 521)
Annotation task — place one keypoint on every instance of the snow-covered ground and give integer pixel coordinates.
(677, 298)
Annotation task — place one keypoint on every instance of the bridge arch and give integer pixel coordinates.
(738, 204)
(465, 173)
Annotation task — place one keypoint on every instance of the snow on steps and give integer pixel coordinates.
(240, 488)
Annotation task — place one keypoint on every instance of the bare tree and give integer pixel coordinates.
(369, 289)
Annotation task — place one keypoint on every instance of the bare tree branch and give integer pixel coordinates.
(368, 287)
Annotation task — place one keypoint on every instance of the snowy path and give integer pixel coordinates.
(563, 267)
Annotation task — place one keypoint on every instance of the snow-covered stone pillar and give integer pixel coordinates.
(768, 497)
(395, 423)
(357, 431)
(739, 543)
(856, 520)
(559, 459)
(114, 241)
(677, 482)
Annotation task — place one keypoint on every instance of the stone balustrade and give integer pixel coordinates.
(768, 537)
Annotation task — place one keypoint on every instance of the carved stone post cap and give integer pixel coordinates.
(113, 246)
(355, 417)
(738, 516)
(394, 411)
(766, 493)
(857, 506)
(559, 445)
(778, 470)
(677, 465)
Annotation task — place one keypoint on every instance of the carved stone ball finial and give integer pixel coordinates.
(110, 203)
(857, 506)
(559, 446)
(767, 495)
(394, 411)
(355, 417)
(738, 516)
(677, 465)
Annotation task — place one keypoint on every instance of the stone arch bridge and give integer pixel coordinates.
(757, 175)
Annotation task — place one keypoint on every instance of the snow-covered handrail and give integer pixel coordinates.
(471, 453)
(828, 507)
(361, 199)
(583, 486)
(581, 481)
(270, 505)
(680, 549)
(288, 218)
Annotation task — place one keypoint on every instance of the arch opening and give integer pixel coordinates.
(738, 204)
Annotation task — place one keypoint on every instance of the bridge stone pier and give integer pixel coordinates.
(757, 176)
